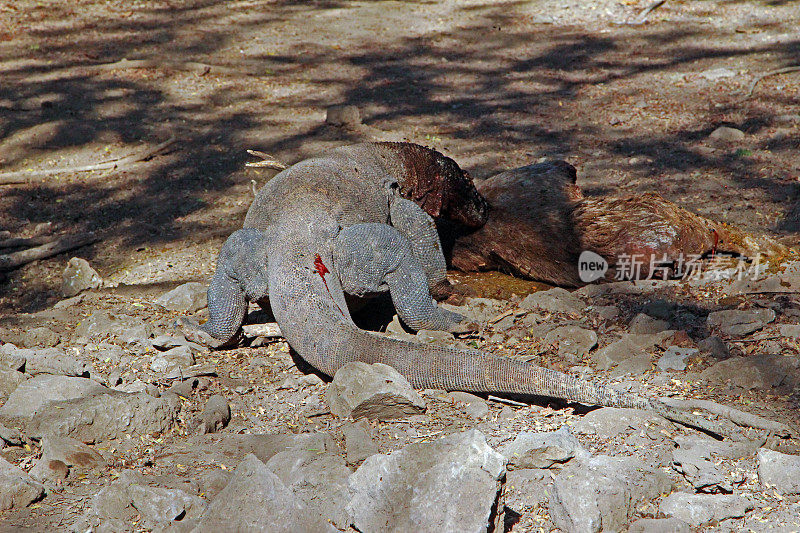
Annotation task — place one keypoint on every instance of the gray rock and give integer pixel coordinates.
(69, 452)
(784, 519)
(256, 499)
(505, 323)
(10, 436)
(55, 361)
(610, 421)
(714, 346)
(9, 381)
(167, 342)
(643, 324)
(693, 460)
(12, 357)
(480, 310)
(765, 372)
(699, 509)
(216, 414)
(779, 470)
(724, 136)
(528, 488)
(451, 484)
(630, 345)
(343, 115)
(791, 331)
(439, 338)
(318, 481)
(40, 337)
(675, 357)
(476, 406)
(717, 73)
(554, 300)
(79, 276)
(540, 450)
(746, 285)
(607, 312)
(603, 493)
(35, 394)
(572, 341)
(659, 525)
(374, 391)
(634, 366)
(113, 501)
(211, 482)
(128, 496)
(17, 489)
(102, 324)
(178, 357)
(737, 322)
(358, 441)
(157, 505)
(111, 415)
(187, 298)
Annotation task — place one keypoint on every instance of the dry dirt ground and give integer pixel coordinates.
(494, 85)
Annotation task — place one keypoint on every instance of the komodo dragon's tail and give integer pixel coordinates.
(310, 309)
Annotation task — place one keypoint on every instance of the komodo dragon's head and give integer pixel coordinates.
(439, 186)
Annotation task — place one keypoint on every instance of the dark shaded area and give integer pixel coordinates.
(492, 79)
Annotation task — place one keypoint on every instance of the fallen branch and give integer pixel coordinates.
(22, 176)
(785, 70)
(201, 69)
(69, 242)
(26, 242)
(642, 18)
(740, 418)
(267, 161)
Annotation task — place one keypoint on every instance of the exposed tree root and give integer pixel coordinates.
(200, 69)
(785, 70)
(63, 244)
(740, 418)
(22, 176)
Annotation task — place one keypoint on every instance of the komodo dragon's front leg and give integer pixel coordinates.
(372, 258)
(240, 277)
(420, 230)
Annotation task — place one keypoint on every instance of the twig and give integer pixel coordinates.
(69, 242)
(22, 176)
(506, 401)
(740, 418)
(642, 18)
(187, 66)
(773, 337)
(426, 435)
(267, 161)
(785, 70)
(20, 242)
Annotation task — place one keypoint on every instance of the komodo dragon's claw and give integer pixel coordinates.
(192, 332)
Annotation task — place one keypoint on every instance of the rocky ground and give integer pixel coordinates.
(111, 421)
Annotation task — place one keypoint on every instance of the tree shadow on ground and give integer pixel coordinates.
(505, 84)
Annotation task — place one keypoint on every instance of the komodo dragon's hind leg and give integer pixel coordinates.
(240, 277)
(371, 258)
(420, 230)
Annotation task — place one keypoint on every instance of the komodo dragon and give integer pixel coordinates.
(342, 223)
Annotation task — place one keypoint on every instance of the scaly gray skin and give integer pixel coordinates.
(337, 224)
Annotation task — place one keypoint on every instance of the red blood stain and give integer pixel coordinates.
(322, 270)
